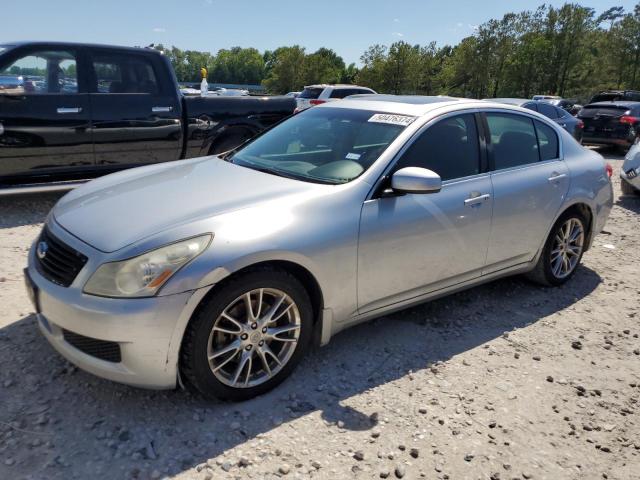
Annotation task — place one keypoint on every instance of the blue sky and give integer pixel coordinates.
(348, 27)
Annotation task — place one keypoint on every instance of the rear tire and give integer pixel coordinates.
(628, 189)
(562, 251)
(220, 356)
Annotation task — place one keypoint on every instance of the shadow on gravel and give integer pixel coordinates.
(630, 202)
(65, 423)
(19, 210)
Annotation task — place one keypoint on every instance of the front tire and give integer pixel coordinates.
(562, 251)
(248, 336)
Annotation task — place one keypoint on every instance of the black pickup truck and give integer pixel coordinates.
(71, 112)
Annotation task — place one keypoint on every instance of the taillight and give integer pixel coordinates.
(580, 124)
(628, 119)
(609, 169)
(316, 102)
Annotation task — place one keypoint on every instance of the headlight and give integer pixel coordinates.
(143, 276)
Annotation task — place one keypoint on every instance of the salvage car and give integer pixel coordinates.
(77, 111)
(611, 123)
(630, 171)
(222, 271)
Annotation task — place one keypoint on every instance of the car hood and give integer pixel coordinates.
(117, 210)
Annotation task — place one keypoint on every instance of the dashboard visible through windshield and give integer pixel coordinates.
(323, 145)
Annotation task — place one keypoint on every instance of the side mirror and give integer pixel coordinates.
(416, 180)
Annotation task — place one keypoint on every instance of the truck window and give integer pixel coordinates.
(45, 72)
(124, 74)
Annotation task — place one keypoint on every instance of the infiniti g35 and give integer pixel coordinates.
(221, 271)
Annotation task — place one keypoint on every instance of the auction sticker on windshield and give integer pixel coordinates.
(404, 120)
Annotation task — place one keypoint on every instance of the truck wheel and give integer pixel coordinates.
(230, 140)
(562, 251)
(248, 336)
(627, 188)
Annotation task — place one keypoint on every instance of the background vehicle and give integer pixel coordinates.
(442, 194)
(546, 97)
(559, 115)
(616, 96)
(611, 123)
(292, 94)
(630, 171)
(81, 111)
(318, 94)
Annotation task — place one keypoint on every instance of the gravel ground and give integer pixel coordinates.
(504, 381)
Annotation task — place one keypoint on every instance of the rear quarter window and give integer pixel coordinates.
(547, 141)
(311, 93)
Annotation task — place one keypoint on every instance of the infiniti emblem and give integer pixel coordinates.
(42, 249)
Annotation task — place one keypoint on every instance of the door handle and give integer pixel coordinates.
(161, 109)
(555, 176)
(63, 110)
(477, 199)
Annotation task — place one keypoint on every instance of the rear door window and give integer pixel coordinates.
(547, 110)
(124, 74)
(311, 93)
(513, 140)
(342, 92)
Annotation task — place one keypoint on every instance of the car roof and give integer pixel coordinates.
(619, 103)
(416, 105)
(34, 43)
(335, 85)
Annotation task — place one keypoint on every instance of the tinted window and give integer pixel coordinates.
(513, 140)
(548, 141)
(547, 110)
(49, 71)
(327, 145)
(531, 106)
(342, 92)
(124, 74)
(449, 148)
(311, 93)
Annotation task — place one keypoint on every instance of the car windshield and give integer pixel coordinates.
(323, 145)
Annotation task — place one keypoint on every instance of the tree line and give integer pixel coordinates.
(570, 51)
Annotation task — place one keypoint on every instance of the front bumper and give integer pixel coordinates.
(148, 331)
(631, 175)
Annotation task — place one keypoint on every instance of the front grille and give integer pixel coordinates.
(57, 261)
(108, 351)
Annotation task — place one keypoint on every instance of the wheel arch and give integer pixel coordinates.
(585, 209)
(302, 273)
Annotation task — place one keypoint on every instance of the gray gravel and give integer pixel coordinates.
(504, 381)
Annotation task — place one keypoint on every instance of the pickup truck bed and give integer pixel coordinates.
(71, 112)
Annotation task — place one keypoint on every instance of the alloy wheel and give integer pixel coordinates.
(253, 338)
(567, 248)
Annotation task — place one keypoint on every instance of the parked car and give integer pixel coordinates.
(630, 171)
(546, 97)
(616, 96)
(559, 115)
(82, 111)
(611, 123)
(318, 94)
(346, 212)
(292, 94)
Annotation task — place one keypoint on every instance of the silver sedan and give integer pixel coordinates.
(221, 271)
